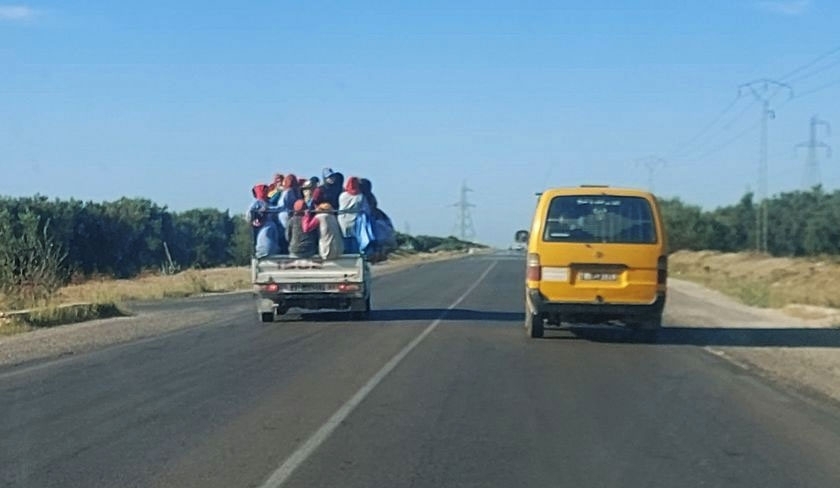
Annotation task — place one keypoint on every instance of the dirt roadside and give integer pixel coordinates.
(78, 338)
(800, 352)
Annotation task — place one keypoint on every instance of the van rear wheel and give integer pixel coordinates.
(533, 324)
(647, 328)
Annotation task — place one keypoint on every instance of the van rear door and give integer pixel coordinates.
(600, 248)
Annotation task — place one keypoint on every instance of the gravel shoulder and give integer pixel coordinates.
(797, 346)
(155, 318)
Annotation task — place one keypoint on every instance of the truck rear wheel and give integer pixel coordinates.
(363, 314)
(266, 317)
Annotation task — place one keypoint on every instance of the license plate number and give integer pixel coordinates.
(595, 276)
(303, 287)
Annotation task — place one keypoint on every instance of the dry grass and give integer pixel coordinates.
(191, 282)
(52, 315)
(762, 280)
(97, 299)
(10, 327)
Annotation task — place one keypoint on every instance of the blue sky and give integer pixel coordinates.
(191, 103)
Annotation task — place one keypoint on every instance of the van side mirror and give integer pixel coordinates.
(521, 236)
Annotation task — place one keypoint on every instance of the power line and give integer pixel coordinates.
(818, 89)
(814, 72)
(685, 149)
(690, 141)
(807, 65)
(689, 155)
(728, 142)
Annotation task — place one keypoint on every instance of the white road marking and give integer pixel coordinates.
(728, 357)
(299, 456)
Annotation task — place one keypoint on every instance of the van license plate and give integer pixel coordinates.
(590, 276)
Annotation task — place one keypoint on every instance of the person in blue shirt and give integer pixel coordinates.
(262, 213)
(268, 232)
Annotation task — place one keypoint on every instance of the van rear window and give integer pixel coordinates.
(600, 218)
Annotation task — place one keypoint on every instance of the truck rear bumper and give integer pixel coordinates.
(310, 301)
(576, 311)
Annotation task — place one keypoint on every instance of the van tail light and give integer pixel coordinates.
(534, 270)
(271, 287)
(662, 270)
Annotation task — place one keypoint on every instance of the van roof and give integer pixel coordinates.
(595, 189)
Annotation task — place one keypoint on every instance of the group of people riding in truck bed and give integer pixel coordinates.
(305, 218)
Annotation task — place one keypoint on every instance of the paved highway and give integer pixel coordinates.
(440, 389)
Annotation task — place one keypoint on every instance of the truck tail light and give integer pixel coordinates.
(662, 270)
(271, 287)
(348, 287)
(534, 270)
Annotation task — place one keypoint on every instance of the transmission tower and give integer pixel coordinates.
(465, 228)
(811, 178)
(651, 164)
(763, 91)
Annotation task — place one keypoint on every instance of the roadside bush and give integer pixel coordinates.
(33, 266)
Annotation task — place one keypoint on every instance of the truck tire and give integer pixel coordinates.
(363, 314)
(533, 324)
(267, 317)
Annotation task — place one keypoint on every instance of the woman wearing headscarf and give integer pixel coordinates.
(267, 239)
(366, 188)
(303, 241)
(291, 194)
(351, 204)
(330, 239)
(307, 190)
(333, 186)
(275, 189)
(260, 213)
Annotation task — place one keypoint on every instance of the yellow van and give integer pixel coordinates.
(596, 254)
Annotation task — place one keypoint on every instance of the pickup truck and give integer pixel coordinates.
(284, 282)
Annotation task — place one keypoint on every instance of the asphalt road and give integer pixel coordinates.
(440, 389)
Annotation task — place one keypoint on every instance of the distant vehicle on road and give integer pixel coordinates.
(595, 254)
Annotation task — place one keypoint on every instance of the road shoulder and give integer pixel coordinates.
(799, 353)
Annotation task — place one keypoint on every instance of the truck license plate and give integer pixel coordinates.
(303, 287)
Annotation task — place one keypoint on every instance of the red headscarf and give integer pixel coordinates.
(352, 186)
(318, 196)
(260, 191)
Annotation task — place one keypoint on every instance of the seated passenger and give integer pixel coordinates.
(275, 190)
(330, 241)
(366, 187)
(332, 186)
(291, 194)
(262, 205)
(302, 243)
(351, 204)
(268, 233)
(308, 189)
